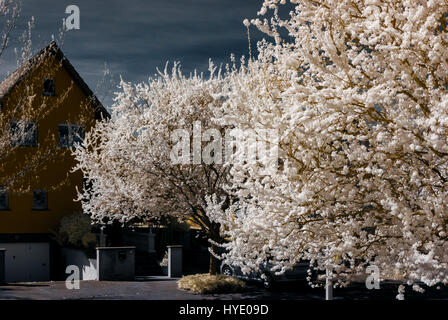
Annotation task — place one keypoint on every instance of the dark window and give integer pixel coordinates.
(48, 85)
(70, 134)
(4, 201)
(23, 133)
(40, 200)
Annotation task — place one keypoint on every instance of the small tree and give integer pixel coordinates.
(75, 230)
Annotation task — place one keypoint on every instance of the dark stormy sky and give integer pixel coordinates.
(134, 37)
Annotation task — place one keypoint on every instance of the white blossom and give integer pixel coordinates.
(359, 95)
(127, 160)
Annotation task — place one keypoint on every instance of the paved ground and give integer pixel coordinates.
(159, 288)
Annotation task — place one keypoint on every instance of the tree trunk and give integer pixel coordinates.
(213, 268)
(215, 236)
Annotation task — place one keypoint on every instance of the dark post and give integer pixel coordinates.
(174, 261)
(2, 266)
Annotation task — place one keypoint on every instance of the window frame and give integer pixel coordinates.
(70, 135)
(43, 208)
(48, 93)
(6, 194)
(21, 142)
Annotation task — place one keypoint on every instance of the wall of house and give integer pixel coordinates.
(69, 105)
(27, 261)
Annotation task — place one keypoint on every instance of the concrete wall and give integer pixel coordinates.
(116, 263)
(88, 268)
(27, 262)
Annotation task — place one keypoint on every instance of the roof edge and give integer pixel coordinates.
(53, 49)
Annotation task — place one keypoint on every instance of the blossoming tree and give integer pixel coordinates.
(128, 161)
(358, 91)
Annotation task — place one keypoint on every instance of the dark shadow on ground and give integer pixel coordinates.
(358, 291)
(26, 285)
(154, 278)
(355, 291)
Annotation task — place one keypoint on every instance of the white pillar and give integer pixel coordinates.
(328, 285)
(102, 237)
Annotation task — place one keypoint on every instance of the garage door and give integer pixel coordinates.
(27, 261)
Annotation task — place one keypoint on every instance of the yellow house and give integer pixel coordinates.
(50, 102)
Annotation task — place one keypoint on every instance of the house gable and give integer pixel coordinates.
(72, 103)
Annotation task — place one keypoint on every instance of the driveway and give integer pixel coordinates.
(161, 288)
(149, 289)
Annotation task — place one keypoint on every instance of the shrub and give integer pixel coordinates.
(164, 262)
(75, 231)
(206, 283)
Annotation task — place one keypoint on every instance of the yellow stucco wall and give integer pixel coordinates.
(20, 218)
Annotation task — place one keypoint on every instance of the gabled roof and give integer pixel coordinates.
(10, 82)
